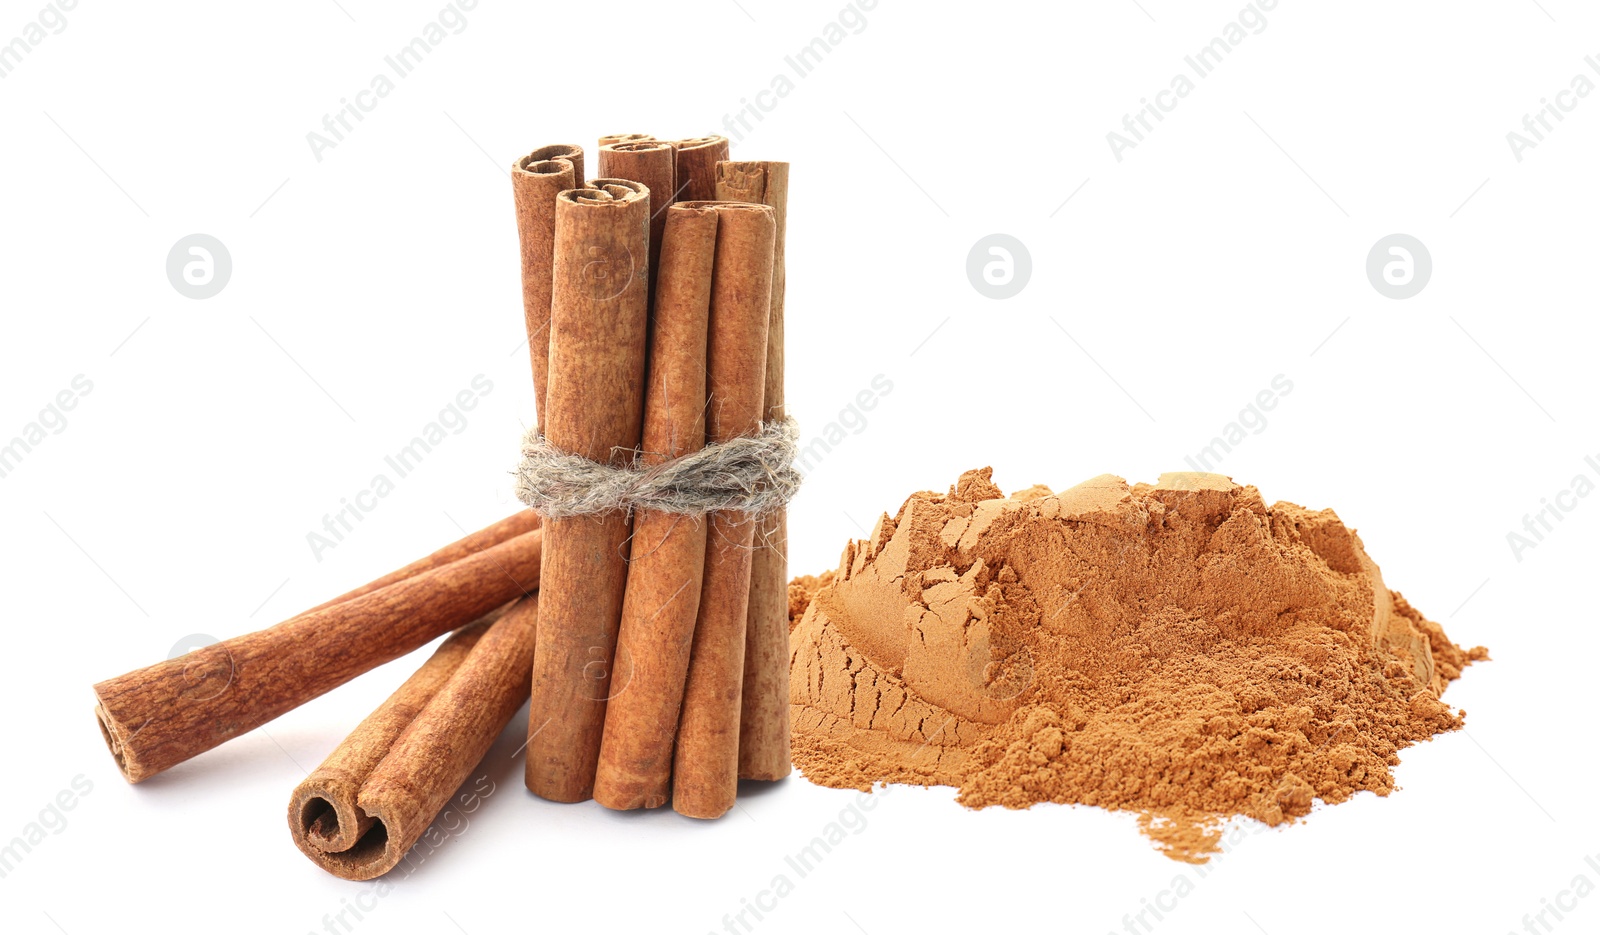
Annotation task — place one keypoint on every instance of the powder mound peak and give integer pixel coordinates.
(1180, 650)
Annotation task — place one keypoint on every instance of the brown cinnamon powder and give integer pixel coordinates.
(1179, 650)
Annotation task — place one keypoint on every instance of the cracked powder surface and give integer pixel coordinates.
(1179, 650)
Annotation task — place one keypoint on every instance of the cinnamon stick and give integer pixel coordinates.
(358, 813)
(156, 717)
(706, 762)
(536, 180)
(668, 550)
(696, 167)
(595, 408)
(651, 164)
(764, 721)
(323, 814)
(493, 534)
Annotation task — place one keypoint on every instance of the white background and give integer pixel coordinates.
(371, 286)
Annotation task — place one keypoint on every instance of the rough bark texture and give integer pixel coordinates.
(157, 717)
(706, 764)
(697, 167)
(624, 138)
(764, 723)
(595, 409)
(514, 525)
(650, 163)
(400, 767)
(668, 550)
(536, 180)
(323, 815)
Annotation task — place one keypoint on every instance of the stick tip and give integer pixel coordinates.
(337, 835)
(114, 743)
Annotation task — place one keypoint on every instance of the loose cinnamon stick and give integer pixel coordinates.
(536, 180)
(764, 721)
(595, 408)
(650, 163)
(697, 167)
(706, 763)
(493, 534)
(157, 717)
(668, 550)
(323, 814)
(358, 813)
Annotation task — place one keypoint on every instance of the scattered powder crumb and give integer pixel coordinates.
(1178, 650)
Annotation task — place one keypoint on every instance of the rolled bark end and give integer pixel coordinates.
(549, 160)
(636, 146)
(338, 835)
(358, 815)
(325, 830)
(360, 847)
(325, 814)
(113, 739)
(545, 167)
(600, 191)
(319, 823)
(611, 138)
(651, 163)
(536, 180)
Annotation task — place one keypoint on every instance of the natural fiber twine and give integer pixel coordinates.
(750, 474)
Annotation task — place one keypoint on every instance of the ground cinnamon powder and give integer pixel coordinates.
(1179, 650)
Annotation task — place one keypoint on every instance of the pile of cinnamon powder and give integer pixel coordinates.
(1181, 650)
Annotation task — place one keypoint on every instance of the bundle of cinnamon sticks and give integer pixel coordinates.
(653, 645)
(654, 306)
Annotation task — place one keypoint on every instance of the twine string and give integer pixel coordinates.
(750, 474)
